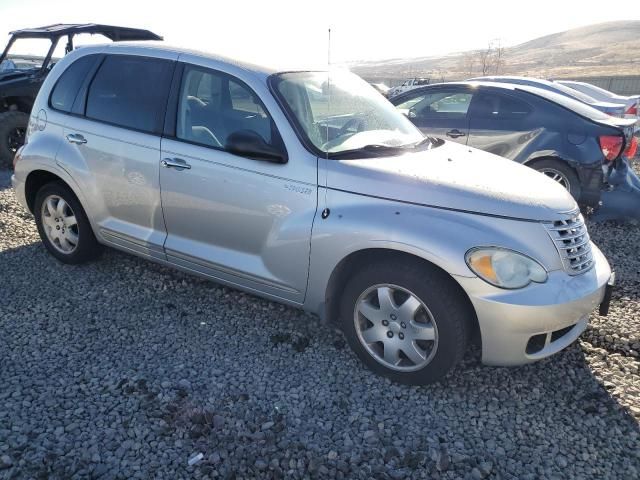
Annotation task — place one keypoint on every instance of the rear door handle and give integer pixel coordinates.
(455, 133)
(76, 138)
(177, 163)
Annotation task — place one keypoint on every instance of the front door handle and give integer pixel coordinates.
(76, 138)
(176, 163)
(455, 133)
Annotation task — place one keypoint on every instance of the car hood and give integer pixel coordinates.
(455, 177)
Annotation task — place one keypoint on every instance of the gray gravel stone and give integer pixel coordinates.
(5, 462)
(123, 369)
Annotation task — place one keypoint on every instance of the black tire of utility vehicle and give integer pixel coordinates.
(13, 128)
(87, 247)
(550, 167)
(443, 298)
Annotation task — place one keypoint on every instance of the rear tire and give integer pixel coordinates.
(13, 128)
(562, 173)
(419, 335)
(63, 225)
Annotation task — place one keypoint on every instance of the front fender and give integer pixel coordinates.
(442, 237)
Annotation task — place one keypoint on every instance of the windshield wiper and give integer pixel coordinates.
(371, 150)
(376, 149)
(431, 140)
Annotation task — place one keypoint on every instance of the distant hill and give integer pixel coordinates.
(604, 49)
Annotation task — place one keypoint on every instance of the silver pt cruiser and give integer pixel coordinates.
(309, 188)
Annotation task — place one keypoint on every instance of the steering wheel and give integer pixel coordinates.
(358, 123)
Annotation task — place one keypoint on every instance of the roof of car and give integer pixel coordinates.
(260, 70)
(566, 102)
(112, 32)
(506, 77)
(473, 83)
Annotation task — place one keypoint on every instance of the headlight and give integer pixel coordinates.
(504, 268)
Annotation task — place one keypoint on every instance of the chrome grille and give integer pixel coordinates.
(571, 238)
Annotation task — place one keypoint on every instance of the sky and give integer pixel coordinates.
(280, 32)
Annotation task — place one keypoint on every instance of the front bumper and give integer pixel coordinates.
(556, 311)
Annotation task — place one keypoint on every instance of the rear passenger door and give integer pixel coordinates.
(113, 141)
(246, 221)
(439, 112)
(501, 123)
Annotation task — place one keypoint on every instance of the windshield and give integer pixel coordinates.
(338, 112)
(591, 89)
(583, 97)
(26, 54)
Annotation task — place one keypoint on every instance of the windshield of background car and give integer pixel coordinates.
(26, 54)
(583, 97)
(339, 112)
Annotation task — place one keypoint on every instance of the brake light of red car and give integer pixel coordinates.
(611, 146)
(632, 110)
(632, 148)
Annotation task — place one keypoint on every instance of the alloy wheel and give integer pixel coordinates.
(396, 327)
(60, 224)
(557, 176)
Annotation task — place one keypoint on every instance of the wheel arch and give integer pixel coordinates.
(341, 272)
(548, 155)
(36, 179)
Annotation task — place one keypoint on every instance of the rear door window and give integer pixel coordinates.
(67, 86)
(130, 92)
(499, 107)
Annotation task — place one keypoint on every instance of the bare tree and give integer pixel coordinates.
(492, 58)
(485, 58)
(468, 63)
(498, 56)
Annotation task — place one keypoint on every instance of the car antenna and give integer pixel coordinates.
(326, 211)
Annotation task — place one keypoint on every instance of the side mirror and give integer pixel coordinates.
(248, 143)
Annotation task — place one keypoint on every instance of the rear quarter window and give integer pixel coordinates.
(130, 92)
(66, 89)
(499, 107)
(568, 103)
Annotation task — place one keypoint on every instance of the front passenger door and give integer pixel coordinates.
(439, 112)
(245, 221)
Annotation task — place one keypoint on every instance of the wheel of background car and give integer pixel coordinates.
(13, 127)
(560, 172)
(63, 225)
(354, 122)
(405, 320)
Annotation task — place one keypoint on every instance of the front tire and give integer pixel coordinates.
(13, 128)
(63, 225)
(407, 321)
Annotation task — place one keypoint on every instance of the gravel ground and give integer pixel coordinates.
(125, 369)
